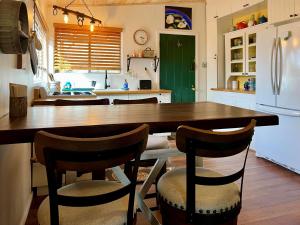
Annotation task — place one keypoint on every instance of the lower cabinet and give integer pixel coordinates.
(241, 100)
(161, 97)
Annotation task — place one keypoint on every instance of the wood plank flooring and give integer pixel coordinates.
(271, 193)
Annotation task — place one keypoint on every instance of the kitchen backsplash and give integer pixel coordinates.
(115, 81)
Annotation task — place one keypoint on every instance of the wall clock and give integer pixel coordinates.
(140, 37)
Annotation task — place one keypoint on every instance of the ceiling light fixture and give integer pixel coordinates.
(80, 16)
(66, 17)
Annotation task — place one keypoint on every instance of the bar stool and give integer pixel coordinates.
(154, 142)
(196, 195)
(94, 201)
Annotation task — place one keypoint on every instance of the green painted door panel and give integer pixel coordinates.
(177, 62)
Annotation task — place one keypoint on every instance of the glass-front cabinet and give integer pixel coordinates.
(240, 54)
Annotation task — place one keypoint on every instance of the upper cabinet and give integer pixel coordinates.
(283, 10)
(237, 5)
(297, 8)
(214, 11)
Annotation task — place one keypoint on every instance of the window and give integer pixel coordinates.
(78, 49)
(41, 33)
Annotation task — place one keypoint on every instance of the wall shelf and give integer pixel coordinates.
(155, 59)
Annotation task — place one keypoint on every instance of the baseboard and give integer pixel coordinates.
(26, 211)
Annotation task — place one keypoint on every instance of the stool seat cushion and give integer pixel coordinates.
(157, 142)
(209, 199)
(106, 214)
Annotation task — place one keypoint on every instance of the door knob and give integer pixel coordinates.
(193, 88)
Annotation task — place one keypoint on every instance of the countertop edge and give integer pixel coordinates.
(234, 91)
(126, 92)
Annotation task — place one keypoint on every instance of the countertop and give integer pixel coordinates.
(236, 91)
(100, 92)
(129, 92)
(100, 120)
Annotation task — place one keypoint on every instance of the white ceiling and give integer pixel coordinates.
(118, 2)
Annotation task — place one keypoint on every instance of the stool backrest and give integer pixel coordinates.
(59, 153)
(66, 102)
(136, 101)
(197, 142)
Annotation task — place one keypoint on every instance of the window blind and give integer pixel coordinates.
(77, 48)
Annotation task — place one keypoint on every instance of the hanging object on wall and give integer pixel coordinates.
(178, 18)
(80, 16)
(33, 56)
(14, 32)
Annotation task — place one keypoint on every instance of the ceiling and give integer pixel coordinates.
(118, 2)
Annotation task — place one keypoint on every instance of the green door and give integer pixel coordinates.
(177, 66)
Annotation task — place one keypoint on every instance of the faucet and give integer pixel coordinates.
(105, 82)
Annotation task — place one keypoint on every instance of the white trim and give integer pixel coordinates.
(26, 210)
(197, 64)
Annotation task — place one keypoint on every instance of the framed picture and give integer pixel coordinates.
(178, 18)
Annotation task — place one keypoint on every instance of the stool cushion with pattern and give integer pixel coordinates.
(209, 199)
(106, 214)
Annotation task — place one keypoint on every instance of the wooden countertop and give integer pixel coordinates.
(130, 92)
(236, 91)
(91, 121)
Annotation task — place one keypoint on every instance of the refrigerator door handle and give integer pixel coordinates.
(279, 78)
(272, 65)
(276, 67)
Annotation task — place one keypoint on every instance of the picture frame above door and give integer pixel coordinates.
(178, 18)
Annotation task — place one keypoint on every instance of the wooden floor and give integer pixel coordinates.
(271, 193)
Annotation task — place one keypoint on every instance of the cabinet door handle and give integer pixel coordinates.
(291, 15)
(216, 17)
(296, 15)
(246, 5)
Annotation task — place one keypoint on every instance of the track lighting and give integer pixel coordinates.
(80, 16)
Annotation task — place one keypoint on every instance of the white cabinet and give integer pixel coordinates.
(235, 47)
(214, 11)
(161, 97)
(164, 98)
(139, 96)
(237, 5)
(297, 8)
(240, 52)
(246, 101)
(282, 10)
(212, 57)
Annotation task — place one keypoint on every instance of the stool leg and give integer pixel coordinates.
(162, 172)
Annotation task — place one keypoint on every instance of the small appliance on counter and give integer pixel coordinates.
(145, 84)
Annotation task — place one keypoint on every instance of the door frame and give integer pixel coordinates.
(197, 66)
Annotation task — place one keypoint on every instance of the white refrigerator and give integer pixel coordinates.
(278, 92)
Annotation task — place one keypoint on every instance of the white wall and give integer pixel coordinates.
(15, 190)
(150, 18)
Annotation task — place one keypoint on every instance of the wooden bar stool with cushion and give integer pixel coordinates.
(67, 102)
(154, 142)
(196, 195)
(93, 201)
